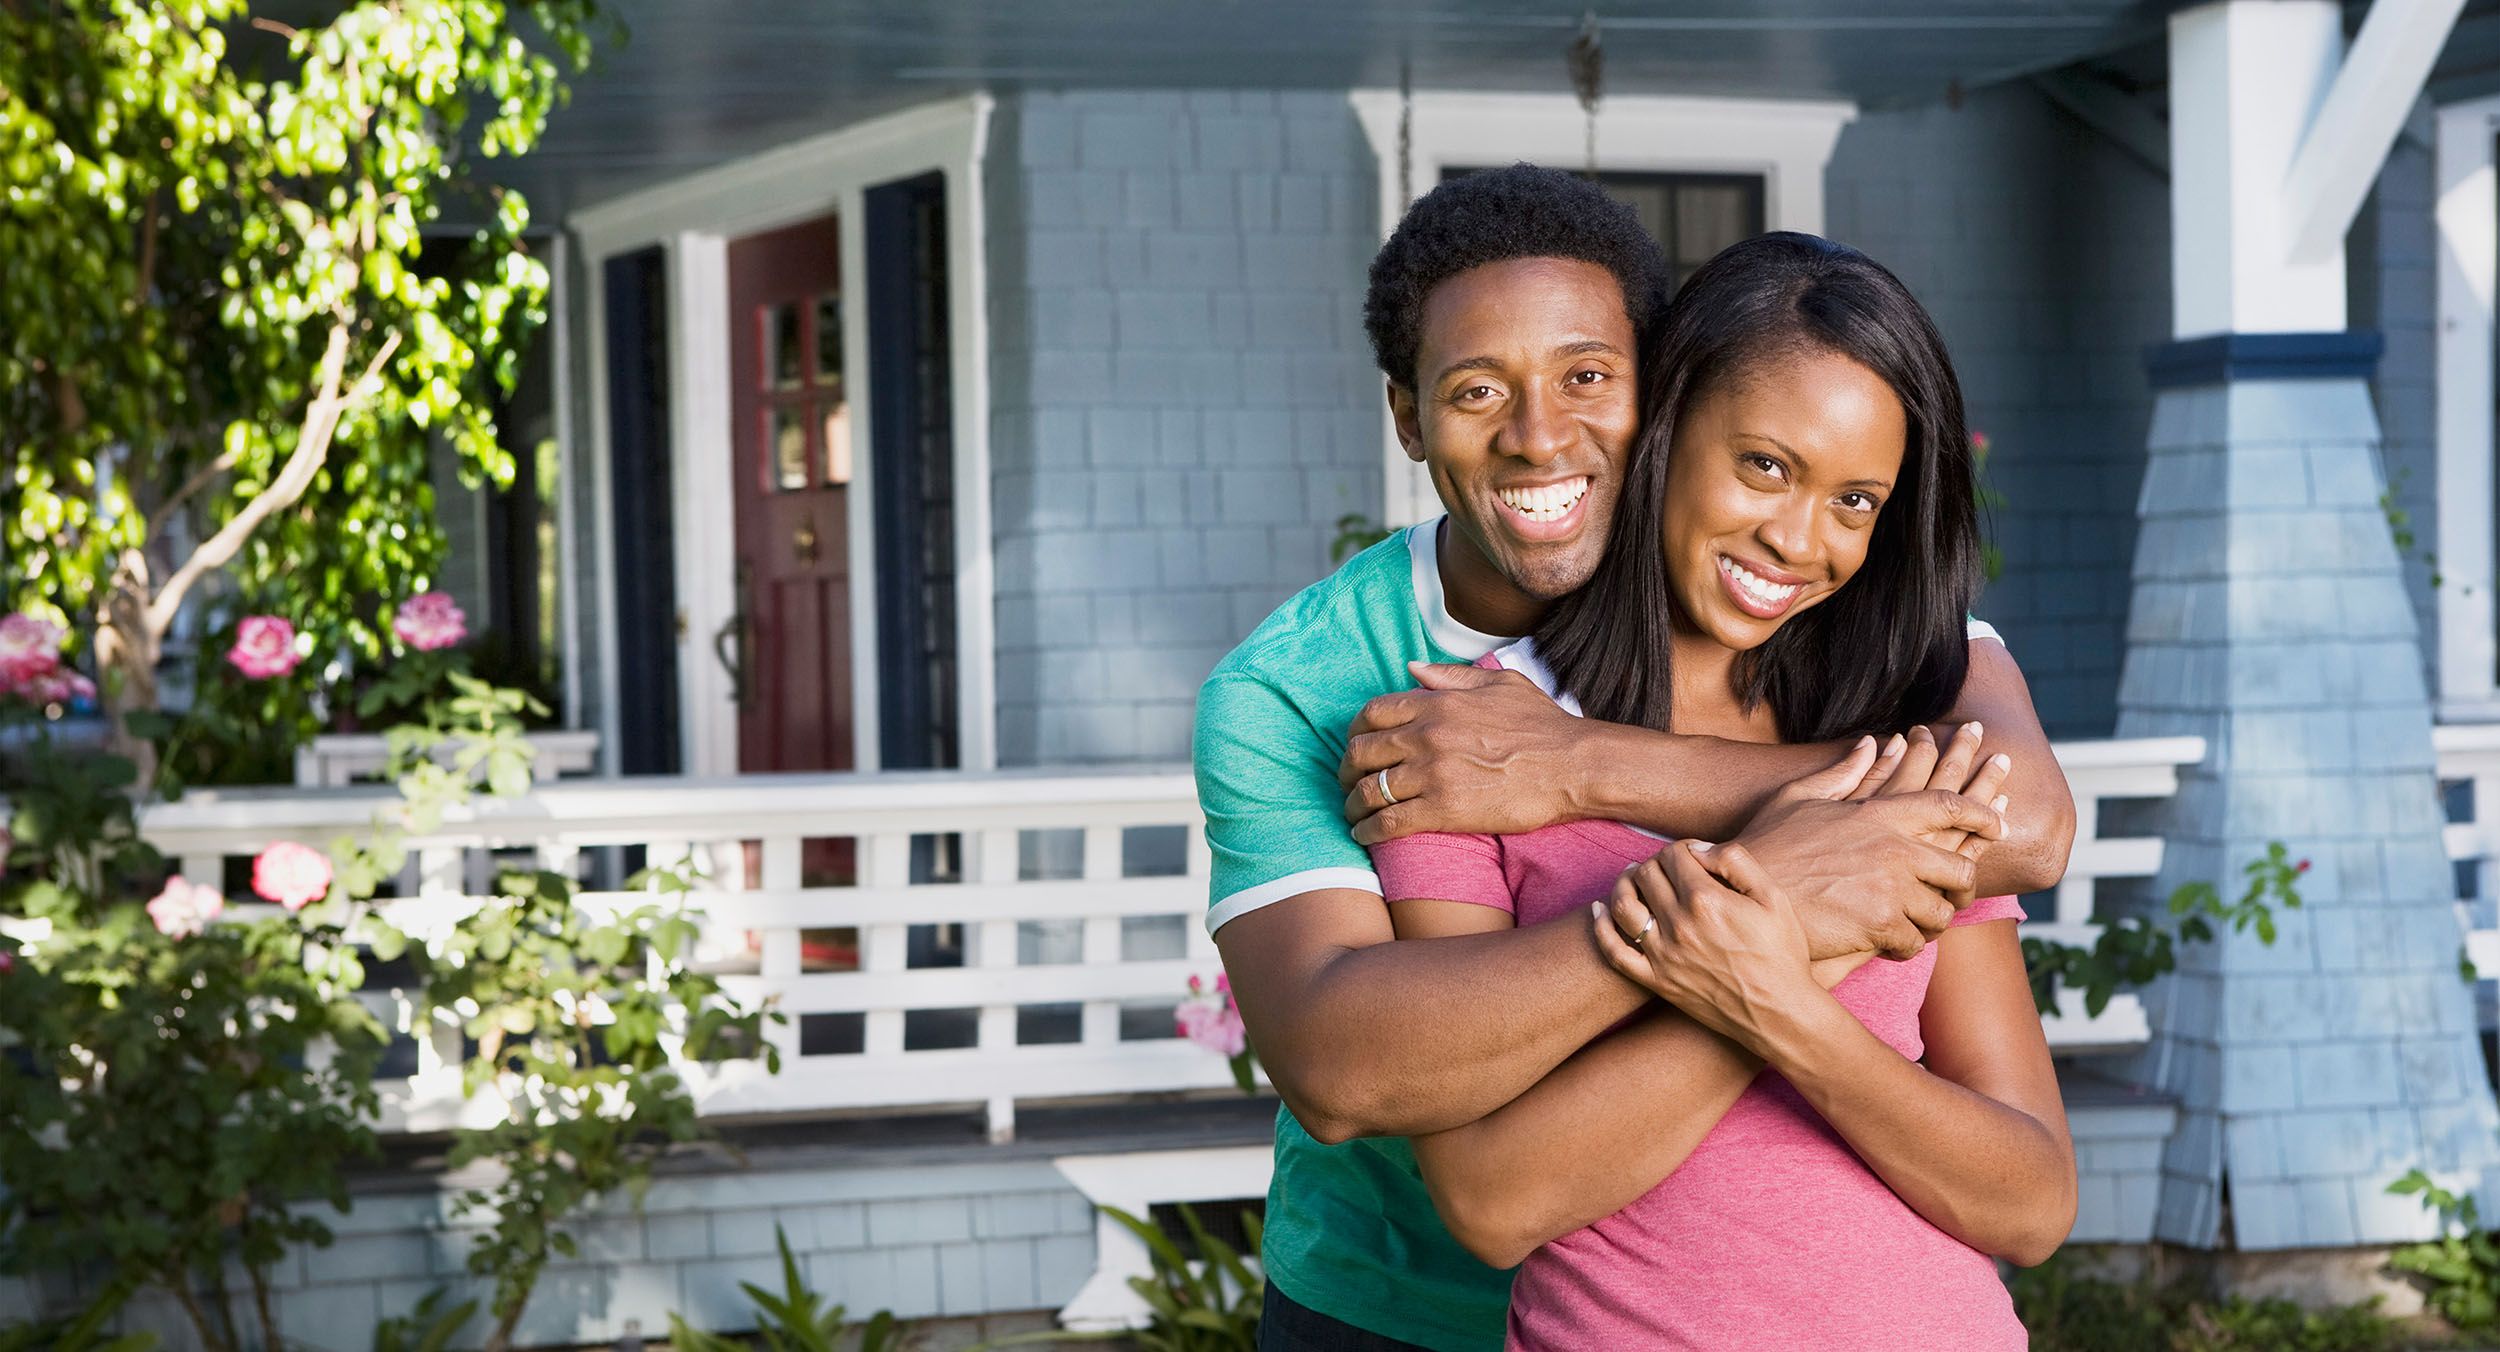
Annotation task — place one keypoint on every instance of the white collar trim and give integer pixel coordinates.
(1522, 657)
(1423, 551)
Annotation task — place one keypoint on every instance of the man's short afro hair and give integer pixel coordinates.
(1492, 216)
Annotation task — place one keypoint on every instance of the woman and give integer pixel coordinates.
(1793, 560)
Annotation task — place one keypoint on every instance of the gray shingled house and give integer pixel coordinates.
(938, 391)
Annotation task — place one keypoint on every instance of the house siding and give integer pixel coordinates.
(2042, 250)
(1182, 400)
(922, 1240)
(2395, 290)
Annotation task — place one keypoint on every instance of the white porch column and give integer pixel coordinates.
(2269, 617)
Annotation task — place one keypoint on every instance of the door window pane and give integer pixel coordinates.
(790, 447)
(783, 352)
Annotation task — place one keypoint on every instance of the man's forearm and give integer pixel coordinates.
(1412, 1036)
(2040, 807)
(1705, 788)
(1708, 788)
(1588, 1140)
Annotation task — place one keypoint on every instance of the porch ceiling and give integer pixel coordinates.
(694, 85)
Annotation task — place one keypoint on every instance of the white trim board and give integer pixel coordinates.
(694, 218)
(2468, 217)
(1786, 141)
(1134, 1182)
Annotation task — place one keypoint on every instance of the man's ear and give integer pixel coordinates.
(1409, 420)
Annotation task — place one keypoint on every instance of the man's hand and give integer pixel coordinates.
(1874, 850)
(1471, 750)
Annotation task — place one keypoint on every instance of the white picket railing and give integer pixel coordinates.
(2097, 772)
(1044, 967)
(2469, 756)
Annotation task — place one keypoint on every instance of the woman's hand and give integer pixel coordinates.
(1706, 930)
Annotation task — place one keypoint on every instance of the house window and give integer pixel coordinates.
(1692, 216)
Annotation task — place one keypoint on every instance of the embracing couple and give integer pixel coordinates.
(1670, 958)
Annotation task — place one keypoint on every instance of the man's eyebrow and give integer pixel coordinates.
(1581, 348)
(1792, 453)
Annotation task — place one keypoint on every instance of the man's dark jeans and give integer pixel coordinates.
(1286, 1325)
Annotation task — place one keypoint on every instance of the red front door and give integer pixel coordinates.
(792, 439)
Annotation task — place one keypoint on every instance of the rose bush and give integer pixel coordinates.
(182, 1089)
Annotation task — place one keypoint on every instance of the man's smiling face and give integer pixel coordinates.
(1524, 407)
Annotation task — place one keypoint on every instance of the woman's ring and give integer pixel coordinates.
(1387, 799)
(1648, 923)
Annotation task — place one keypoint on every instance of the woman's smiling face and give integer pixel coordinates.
(1774, 483)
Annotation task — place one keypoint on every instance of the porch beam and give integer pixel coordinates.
(2357, 122)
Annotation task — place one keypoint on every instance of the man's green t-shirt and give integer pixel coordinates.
(1350, 1231)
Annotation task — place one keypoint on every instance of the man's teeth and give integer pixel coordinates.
(1545, 502)
(1768, 593)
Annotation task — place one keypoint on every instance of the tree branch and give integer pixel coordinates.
(190, 487)
(312, 448)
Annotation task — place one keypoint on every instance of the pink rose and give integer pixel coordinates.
(430, 620)
(30, 650)
(264, 646)
(60, 687)
(8, 962)
(184, 908)
(294, 876)
(1211, 1019)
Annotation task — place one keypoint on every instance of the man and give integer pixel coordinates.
(1509, 313)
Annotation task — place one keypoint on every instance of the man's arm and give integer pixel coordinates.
(1368, 1037)
(1486, 751)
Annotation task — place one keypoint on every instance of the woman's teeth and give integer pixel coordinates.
(1545, 502)
(1768, 593)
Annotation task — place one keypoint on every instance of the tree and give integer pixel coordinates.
(218, 355)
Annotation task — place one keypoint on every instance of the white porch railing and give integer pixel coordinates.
(335, 759)
(1043, 965)
(2095, 772)
(2469, 758)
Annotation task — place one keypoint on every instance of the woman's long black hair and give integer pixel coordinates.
(1889, 648)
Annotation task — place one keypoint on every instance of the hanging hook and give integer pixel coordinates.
(1586, 60)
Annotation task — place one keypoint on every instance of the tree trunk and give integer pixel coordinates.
(128, 647)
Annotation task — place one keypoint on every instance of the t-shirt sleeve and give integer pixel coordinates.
(1990, 908)
(1267, 781)
(1444, 866)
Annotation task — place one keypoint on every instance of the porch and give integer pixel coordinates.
(979, 1046)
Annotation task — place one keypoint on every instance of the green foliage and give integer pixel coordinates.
(2400, 524)
(166, 1101)
(83, 1332)
(1355, 533)
(227, 345)
(427, 1328)
(574, 1010)
(2132, 951)
(2462, 1266)
(2067, 1313)
(1207, 1306)
(796, 1320)
(1990, 500)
